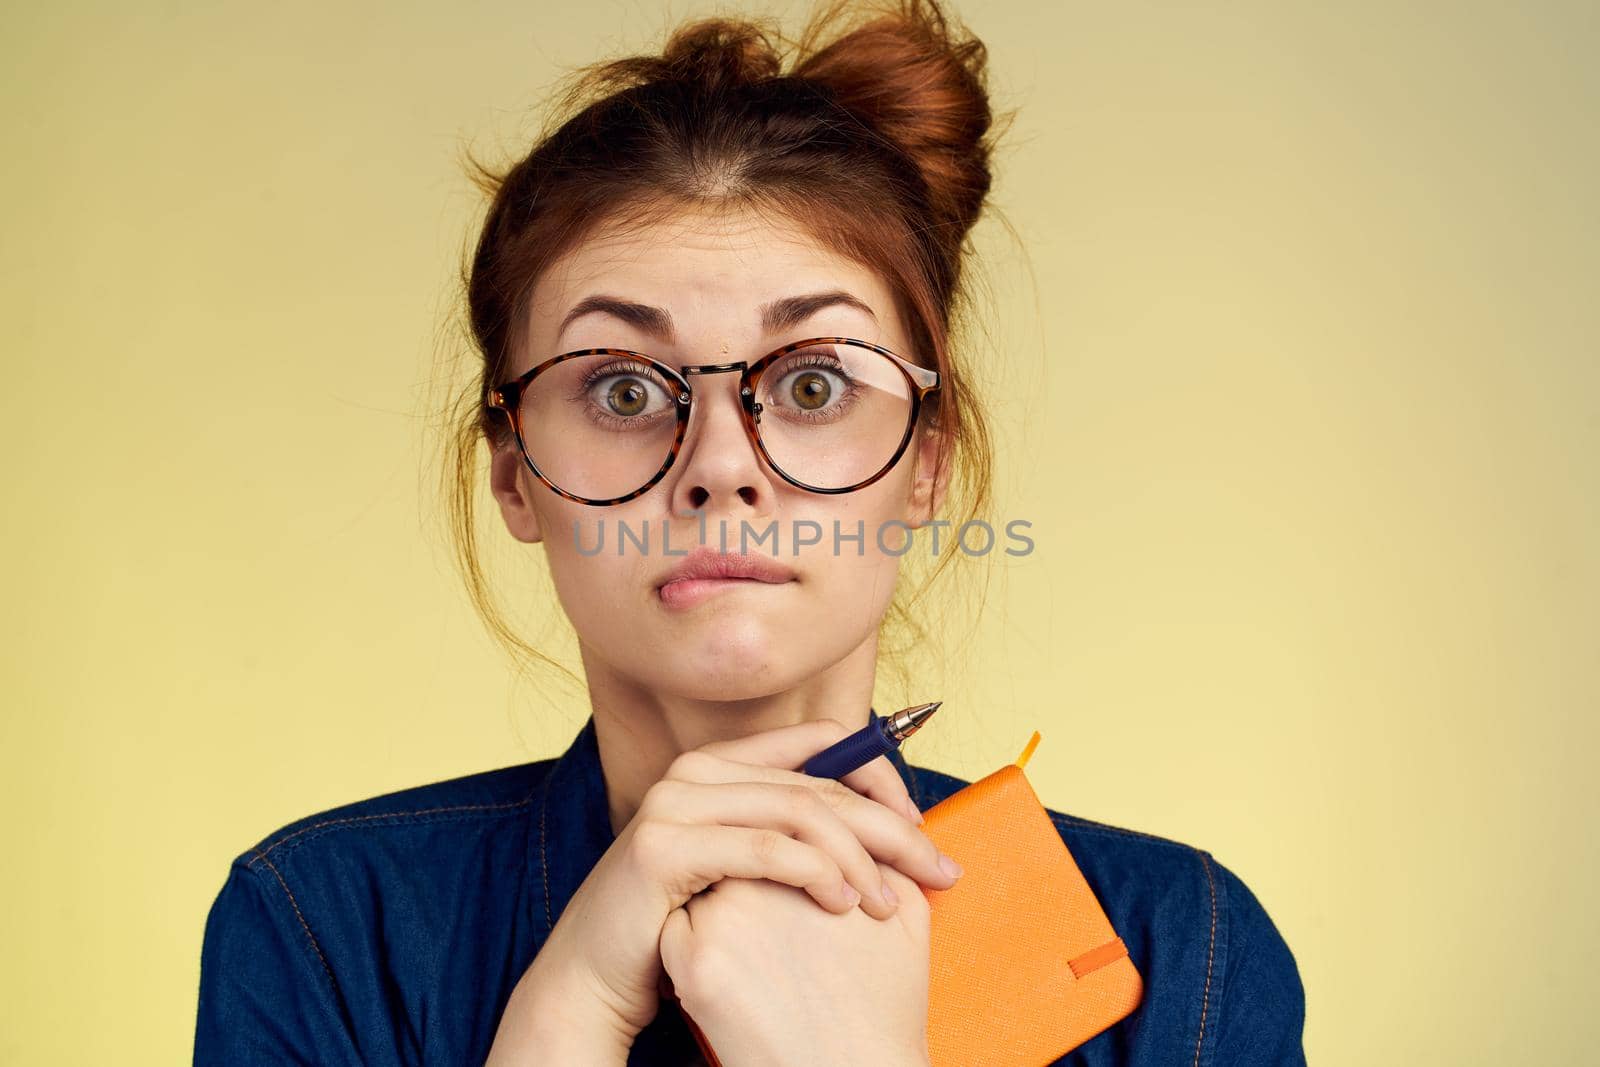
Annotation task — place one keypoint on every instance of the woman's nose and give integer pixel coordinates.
(718, 466)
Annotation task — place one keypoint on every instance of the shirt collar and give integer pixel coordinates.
(572, 827)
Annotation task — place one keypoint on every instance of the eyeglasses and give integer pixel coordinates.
(602, 425)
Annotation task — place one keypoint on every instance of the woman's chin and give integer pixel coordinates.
(734, 658)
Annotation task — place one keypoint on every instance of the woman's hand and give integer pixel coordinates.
(729, 809)
(771, 979)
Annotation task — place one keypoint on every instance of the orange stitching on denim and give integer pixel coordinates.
(544, 806)
(261, 853)
(262, 856)
(1206, 999)
(1090, 825)
(544, 862)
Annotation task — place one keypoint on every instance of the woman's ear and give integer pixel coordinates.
(933, 475)
(513, 492)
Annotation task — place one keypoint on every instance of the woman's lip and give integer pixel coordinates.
(687, 592)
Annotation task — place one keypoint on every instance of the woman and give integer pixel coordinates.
(714, 303)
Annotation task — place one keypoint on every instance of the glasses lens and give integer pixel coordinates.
(832, 415)
(599, 426)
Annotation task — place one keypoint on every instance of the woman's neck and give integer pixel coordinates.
(640, 732)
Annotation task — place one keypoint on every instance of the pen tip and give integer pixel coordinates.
(915, 717)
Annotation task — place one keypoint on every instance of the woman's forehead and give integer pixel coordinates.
(694, 265)
(727, 247)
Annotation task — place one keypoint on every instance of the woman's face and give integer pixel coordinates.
(711, 275)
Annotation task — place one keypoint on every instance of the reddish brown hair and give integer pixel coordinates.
(876, 140)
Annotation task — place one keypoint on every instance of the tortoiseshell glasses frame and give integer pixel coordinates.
(507, 399)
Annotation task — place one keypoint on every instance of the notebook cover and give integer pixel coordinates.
(1024, 965)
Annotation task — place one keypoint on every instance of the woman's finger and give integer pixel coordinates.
(794, 809)
(696, 855)
(883, 833)
(789, 747)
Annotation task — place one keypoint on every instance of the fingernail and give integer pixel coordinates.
(889, 895)
(851, 897)
(915, 813)
(949, 866)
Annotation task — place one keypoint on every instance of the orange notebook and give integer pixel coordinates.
(1023, 963)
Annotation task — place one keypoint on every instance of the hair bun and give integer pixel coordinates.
(921, 83)
(717, 52)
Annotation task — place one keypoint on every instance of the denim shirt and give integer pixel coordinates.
(391, 931)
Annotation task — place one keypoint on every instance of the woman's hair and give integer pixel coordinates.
(876, 141)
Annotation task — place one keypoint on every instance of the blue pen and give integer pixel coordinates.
(878, 738)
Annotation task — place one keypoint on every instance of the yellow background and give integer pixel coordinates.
(1302, 324)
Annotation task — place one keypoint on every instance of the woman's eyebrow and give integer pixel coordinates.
(793, 310)
(779, 315)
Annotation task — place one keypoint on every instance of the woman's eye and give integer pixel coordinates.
(626, 395)
(810, 388)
